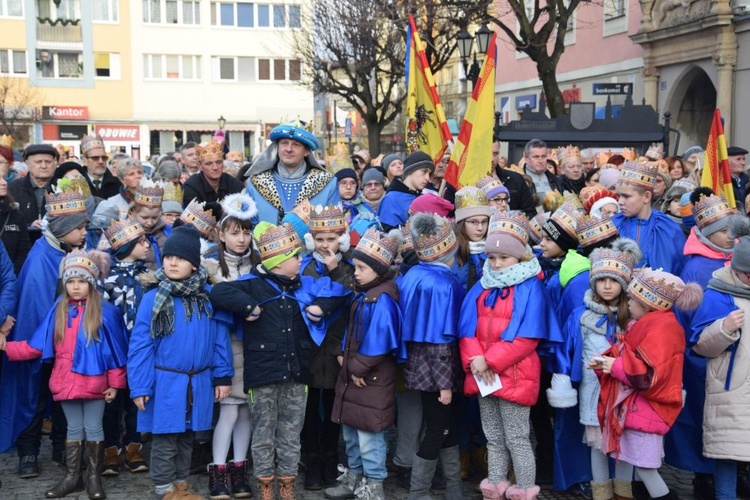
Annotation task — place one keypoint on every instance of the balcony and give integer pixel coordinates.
(59, 33)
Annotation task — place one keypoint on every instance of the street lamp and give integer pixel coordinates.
(222, 122)
(465, 43)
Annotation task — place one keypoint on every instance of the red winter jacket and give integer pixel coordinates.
(516, 362)
(63, 383)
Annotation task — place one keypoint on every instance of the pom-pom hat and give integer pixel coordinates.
(276, 243)
(433, 237)
(88, 266)
(470, 202)
(658, 290)
(377, 250)
(508, 234)
(616, 262)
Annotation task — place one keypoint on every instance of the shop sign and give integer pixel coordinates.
(526, 100)
(613, 88)
(65, 113)
(571, 95)
(119, 132)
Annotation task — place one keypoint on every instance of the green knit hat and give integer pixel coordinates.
(276, 243)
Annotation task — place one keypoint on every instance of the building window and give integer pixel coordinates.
(11, 8)
(279, 69)
(246, 69)
(59, 64)
(171, 12)
(12, 62)
(105, 11)
(171, 67)
(107, 65)
(64, 9)
(264, 69)
(614, 9)
(252, 15)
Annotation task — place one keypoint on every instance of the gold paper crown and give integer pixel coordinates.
(7, 141)
(653, 290)
(376, 246)
(432, 247)
(68, 201)
(172, 192)
(642, 175)
(278, 240)
(203, 220)
(628, 154)
(234, 155)
(122, 232)
(149, 193)
(470, 197)
(513, 224)
(89, 142)
(569, 153)
(571, 198)
(80, 260)
(709, 209)
(211, 150)
(553, 200)
(602, 157)
(329, 219)
(77, 184)
(655, 152)
(593, 230)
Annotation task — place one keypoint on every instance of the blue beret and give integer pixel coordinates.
(295, 132)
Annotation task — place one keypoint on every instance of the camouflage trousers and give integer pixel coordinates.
(277, 413)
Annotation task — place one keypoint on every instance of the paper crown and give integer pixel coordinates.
(406, 241)
(122, 232)
(149, 193)
(202, 219)
(303, 210)
(513, 224)
(490, 186)
(240, 206)
(65, 200)
(657, 290)
(470, 197)
(234, 155)
(6, 140)
(76, 184)
(172, 192)
(431, 247)
(642, 175)
(710, 209)
(296, 130)
(329, 219)
(655, 152)
(593, 231)
(606, 262)
(377, 246)
(278, 240)
(591, 194)
(628, 154)
(573, 199)
(602, 157)
(91, 142)
(552, 200)
(535, 226)
(569, 153)
(78, 263)
(210, 150)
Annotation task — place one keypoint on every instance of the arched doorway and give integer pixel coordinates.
(692, 104)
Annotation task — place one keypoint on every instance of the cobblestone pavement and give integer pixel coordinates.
(139, 486)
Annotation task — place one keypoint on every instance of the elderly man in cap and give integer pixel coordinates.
(28, 192)
(286, 173)
(736, 157)
(94, 156)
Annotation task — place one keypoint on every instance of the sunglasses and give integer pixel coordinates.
(98, 158)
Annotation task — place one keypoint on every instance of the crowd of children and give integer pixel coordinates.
(346, 320)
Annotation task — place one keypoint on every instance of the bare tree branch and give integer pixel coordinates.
(17, 102)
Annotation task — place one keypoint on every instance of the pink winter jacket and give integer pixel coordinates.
(641, 415)
(63, 383)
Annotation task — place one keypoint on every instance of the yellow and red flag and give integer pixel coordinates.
(716, 173)
(472, 154)
(426, 127)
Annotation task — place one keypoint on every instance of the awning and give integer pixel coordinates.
(203, 126)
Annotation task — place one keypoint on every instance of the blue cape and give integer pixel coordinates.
(19, 388)
(96, 358)
(660, 239)
(309, 290)
(532, 316)
(394, 208)
(430, 298)
(377, 325)
(462, 272)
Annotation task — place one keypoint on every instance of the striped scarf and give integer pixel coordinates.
(192, 291)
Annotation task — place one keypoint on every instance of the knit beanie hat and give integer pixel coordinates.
(377, 249)
(678, 188)
(616, 262)
(741, 255)
(691, 151)
(89, 266)
(562, 225)
(105, 214)
(471, 201)
(346, 173)
(658, 290)
(433, 237)
(595, 232)
(299, 218)
(389, 158)
(492, 187)
(415, 161)
(608, 177)
(276, 243)
(373, 174)
(430, 203)
(711, 212)
(184, 242)
(508, 234)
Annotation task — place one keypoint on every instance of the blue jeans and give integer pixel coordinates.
(366, 452)
(725, 477)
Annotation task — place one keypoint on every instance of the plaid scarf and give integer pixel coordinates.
(192, 291)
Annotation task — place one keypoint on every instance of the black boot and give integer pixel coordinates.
(94, 465)
(72, 481)
(672, 495)
(313, 473)
(238, 473)
(640, 492)
(704, 487)
(28, 467)
(330, 472)
(217, 482)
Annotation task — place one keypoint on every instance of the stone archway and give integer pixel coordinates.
(692, 103)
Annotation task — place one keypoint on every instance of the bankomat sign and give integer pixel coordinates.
(65, 113)
(119, 132)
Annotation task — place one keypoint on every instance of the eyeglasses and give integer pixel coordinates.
(373, 184)
(348, 183)
(501, 199)
(477, 223)
(98, 158)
